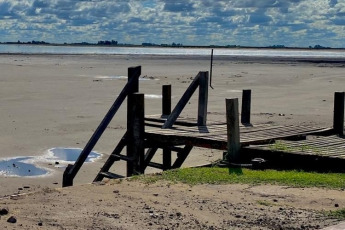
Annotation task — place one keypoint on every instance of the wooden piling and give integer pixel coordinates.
(135, 134)
(233, 130)
(166, 100)
(134, 72)
(166, 158)
(203, 98)
(338, 115)
(246, 106)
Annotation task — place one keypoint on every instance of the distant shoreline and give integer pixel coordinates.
(171, 46)
(234, 58)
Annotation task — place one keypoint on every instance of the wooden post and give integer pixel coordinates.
(233, 130)
(166, 158)
(133, 73)
(67, 180)
(246, 104)
(182, 103)
(133, 82)
(166, 100)
(135, 131)
(338, 115)
(203, 98)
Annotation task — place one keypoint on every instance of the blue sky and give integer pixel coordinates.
(190, 22)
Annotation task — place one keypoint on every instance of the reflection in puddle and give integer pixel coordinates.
(153, 96)
(70, 155)
(143, 78)
(234, 91)
(27, 166)
(111, 77)
(20, 167)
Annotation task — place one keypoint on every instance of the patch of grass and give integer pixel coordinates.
(337, 214)
(285, 147)
(47, 190)
(265, 203)
(280, 146)
(215, 175)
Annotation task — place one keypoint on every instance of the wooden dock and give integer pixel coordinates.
(241, 140)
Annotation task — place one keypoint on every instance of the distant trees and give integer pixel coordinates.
(277, 46)
(162, 45)
(176, 45)
(38, 42)
(319, 47)
(29, 42)
(107, 43)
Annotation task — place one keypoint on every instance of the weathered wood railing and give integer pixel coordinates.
(137, 159)
(201, 81)
(132, 86)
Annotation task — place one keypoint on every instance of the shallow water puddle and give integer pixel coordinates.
(153, 96)
(19, 167)
(27, 166)
(69, 155)
(144, 78)
(111, 77)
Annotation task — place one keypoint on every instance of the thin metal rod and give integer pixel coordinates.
(211, 67)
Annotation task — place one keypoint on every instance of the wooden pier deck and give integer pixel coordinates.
(316, 153)
(215, 136)
(323, 146)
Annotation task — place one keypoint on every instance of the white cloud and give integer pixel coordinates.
(199, 22)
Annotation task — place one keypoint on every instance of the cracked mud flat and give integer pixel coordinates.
(134, 205)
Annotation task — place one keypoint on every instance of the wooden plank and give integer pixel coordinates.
(266, 132)
(181, 156)
(110, 175)
(110, 161)
(148, 156)
(331, 146)
(213, 136)
(156, 165)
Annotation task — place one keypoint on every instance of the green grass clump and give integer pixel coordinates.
(215, 175)
(286, 147)
(265, 203)
(337, 214)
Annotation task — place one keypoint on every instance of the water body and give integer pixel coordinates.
(69, 155)
(28, 166)
(20, 167)
(40, 49)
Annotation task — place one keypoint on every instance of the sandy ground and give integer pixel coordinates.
(133, 205)
(58, 101)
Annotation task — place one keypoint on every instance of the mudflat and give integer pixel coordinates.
(52, 101)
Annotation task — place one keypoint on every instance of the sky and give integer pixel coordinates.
(294, 23)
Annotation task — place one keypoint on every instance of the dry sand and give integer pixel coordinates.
(58, 101)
